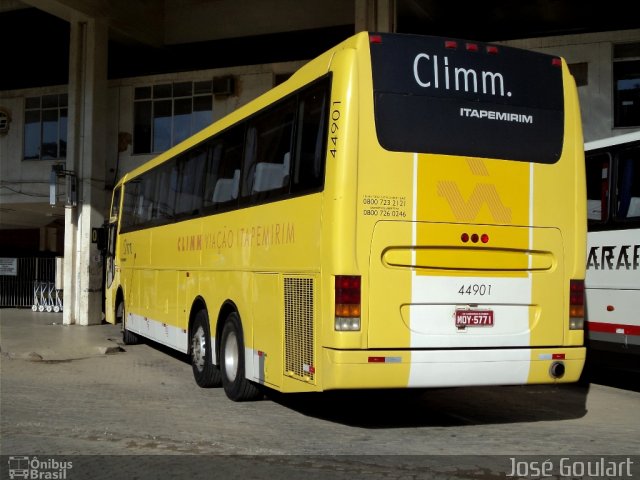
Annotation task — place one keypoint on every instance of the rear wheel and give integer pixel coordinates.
(205, 372)
(232, 367)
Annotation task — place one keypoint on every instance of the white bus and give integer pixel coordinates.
(613, 258)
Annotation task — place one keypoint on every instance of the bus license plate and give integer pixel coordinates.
(474, 318)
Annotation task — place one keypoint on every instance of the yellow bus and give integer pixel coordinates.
(405, 211)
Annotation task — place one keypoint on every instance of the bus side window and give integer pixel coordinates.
(115, 205)
(129, 204)
(311, 138)
(222, 183)
(271, 176)
(267, 153)
(628, 184)
(598, 167)
(147, 196)
(213, 165)
(164, 196)
(226, 189)
(191, 166)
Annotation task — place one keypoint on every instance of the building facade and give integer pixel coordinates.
(126, 101)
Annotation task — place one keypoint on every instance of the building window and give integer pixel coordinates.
(45, 127)
(166, 114)
(626, 84)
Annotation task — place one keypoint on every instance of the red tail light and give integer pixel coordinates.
(576, 304)
(347, 304)
(576, 288)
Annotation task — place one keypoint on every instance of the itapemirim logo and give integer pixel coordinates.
(33, 468)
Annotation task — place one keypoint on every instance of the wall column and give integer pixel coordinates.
(376, 16)
(86, 158)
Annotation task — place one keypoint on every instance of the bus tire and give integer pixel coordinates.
(128, 338)
(234, 381)
(205, 372)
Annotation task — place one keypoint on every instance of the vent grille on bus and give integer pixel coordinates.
(298, 328)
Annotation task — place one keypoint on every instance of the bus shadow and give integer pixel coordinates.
(437, 407)
(443, 407)
(613, 369)
(183, 357)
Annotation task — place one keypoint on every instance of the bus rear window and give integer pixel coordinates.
(454, 97)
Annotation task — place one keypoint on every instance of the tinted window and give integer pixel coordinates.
(129, 205)
(223, 169)
(277, 153)
(268, 151)
(115, 204)
(165, 194)
(190, 181)
(308, 171)
(598, 167)
(628, 184)
(626, 94)
(613, 187)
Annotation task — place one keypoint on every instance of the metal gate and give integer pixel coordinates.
(30, 282)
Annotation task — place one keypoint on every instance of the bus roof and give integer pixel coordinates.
(614, 140)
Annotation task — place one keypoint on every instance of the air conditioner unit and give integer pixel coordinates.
(224, 86)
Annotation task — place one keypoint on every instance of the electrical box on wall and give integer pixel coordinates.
(71, 186)
(71, 182)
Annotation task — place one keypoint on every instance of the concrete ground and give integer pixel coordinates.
(42, 336)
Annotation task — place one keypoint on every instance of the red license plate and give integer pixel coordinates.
(474, 318)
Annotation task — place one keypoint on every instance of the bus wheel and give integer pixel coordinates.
(128, 338)
(205, 372)
(235, 384)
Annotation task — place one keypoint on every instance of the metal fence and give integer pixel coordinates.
(30, 282)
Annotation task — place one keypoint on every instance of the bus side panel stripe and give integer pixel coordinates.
(157, 331)
(614, 328)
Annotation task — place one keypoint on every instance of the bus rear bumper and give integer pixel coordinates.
(346, 369)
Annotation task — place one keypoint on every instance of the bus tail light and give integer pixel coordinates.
(347, 311)
(576, 305)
